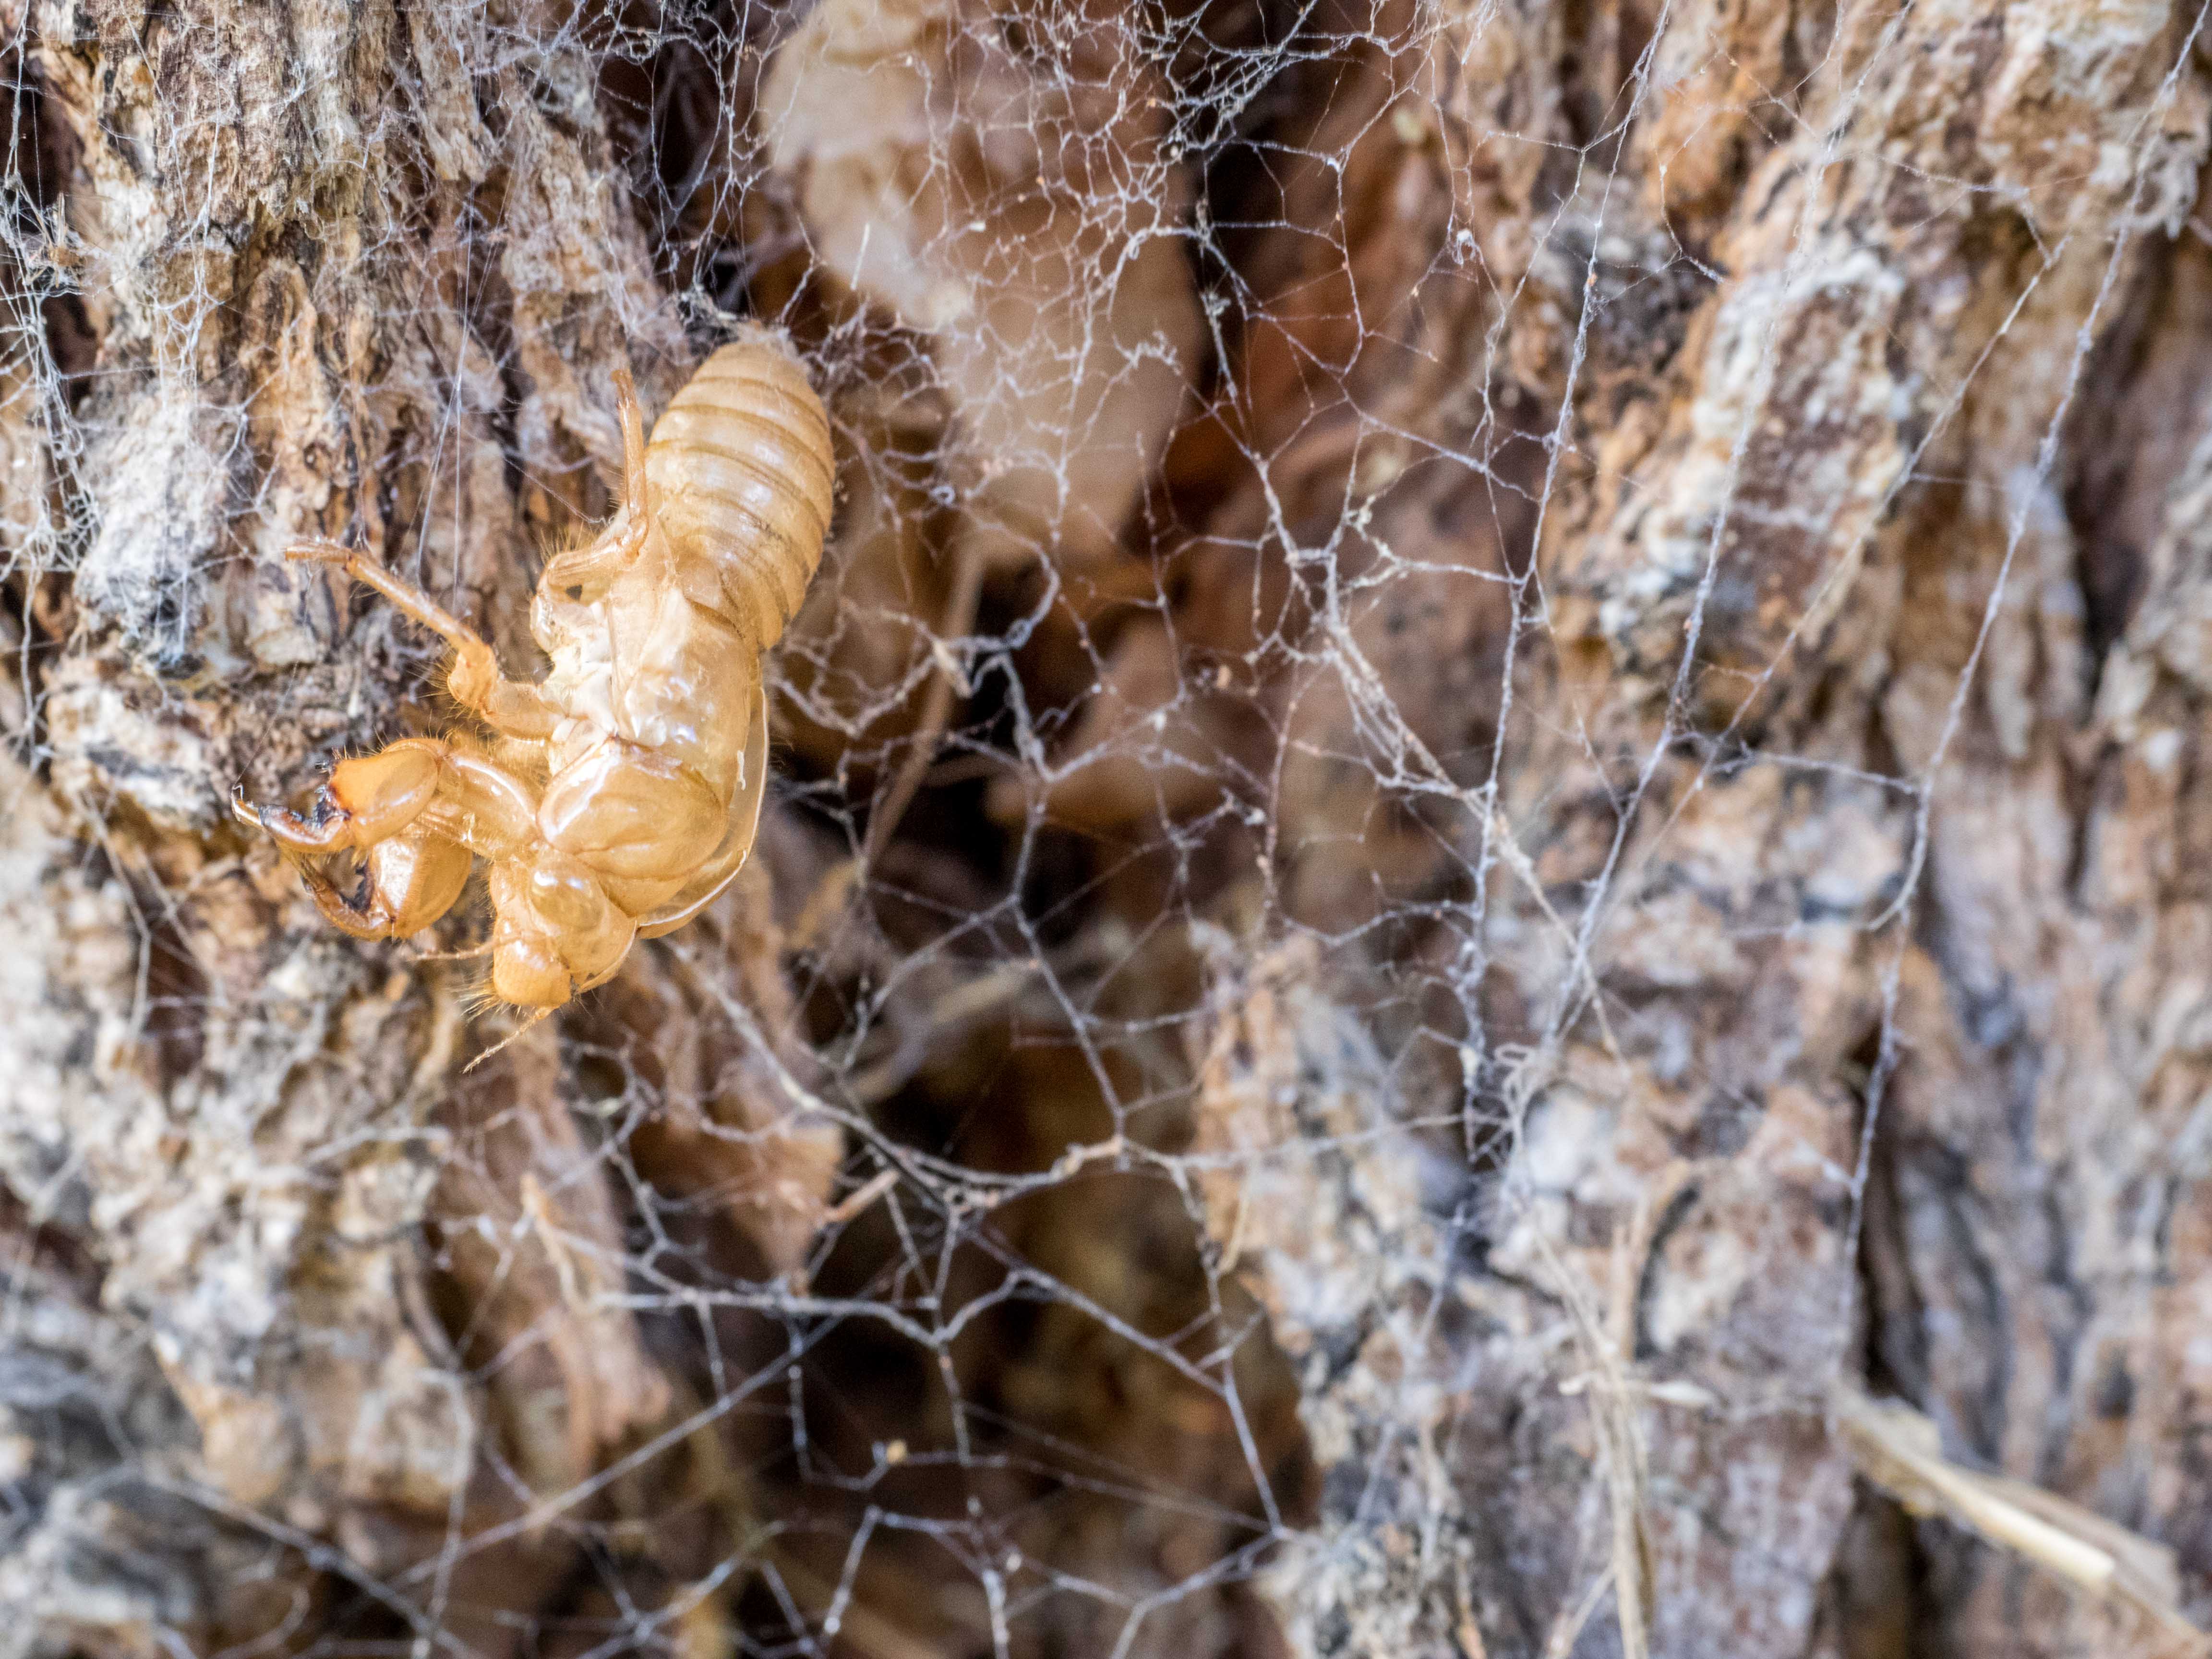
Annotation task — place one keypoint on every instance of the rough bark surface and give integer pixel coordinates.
(1496, 783)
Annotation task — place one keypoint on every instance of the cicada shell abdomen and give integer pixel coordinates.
(741, 473)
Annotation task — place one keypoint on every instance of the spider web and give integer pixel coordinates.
(1463, 649)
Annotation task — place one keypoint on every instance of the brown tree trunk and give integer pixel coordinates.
(1490, 804)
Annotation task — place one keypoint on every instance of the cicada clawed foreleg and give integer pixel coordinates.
(415, 812)
(373, 805)
(366, 799)
(409, 879)
(407, 883)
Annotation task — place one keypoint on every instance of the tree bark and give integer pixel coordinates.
(1490, 801)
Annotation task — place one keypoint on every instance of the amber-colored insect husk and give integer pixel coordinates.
(619, 795)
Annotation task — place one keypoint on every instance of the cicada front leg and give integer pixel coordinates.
(407, 883)
(374, 805)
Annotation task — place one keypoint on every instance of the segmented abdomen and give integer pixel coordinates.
(741, 473)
